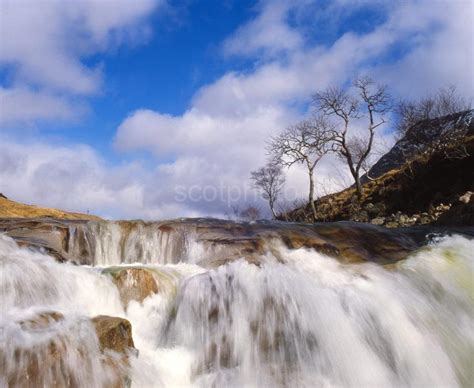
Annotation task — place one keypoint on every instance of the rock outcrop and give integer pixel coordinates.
(419, 138)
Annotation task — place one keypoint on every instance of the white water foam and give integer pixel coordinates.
(309, 322)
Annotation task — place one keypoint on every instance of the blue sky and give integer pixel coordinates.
(181, 54)
(120, 107)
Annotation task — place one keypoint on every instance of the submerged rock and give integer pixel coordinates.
(41, 320)
(49, 349)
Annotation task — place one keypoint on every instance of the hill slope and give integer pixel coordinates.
(412, 186)
(420, 136)
(12, 209)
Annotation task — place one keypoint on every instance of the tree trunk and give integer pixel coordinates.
(355, 175)
(358, 185)
(273, 210)
(311, 194)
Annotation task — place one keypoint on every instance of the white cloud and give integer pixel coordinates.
(221, 137)
(74, 178)
(269, 33)
(22, 104)
(443, 57)
(44, 44)
(77, 178)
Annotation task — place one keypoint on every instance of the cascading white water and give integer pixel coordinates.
(310, 321)
(113, 243)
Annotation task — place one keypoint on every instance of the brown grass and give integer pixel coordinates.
(12, 209)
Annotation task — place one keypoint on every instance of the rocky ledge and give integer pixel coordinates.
(210, 242)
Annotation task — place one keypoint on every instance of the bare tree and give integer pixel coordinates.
(243, 212)
(444, 102)
(370, 103)
(250, 213)
(269, 179)
(305, 143)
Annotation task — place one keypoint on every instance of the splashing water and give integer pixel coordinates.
(309, 321)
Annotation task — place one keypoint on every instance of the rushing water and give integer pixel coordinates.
(309, 321)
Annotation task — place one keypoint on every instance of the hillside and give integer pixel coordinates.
(409, 185)
(12, 209)
(419, 137)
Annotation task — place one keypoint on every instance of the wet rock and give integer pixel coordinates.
(41, 320)
(211, 243)
(64, 352)
(113, 333)
(133, 283)
(116, 344)
(45, 235)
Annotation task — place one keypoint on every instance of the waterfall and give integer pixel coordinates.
(299, 318)
(113, 243)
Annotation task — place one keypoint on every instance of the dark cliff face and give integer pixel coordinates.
(420, 137)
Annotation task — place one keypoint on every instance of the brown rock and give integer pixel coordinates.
(134, 283)
(113, 333)
(63, 354)
(220, 241)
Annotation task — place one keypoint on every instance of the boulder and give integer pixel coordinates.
(63, 352)
(466, 197)
(138, 283)
(376, 209)
(360, 216)
(114, 333)
(378, 221)
(460, 213)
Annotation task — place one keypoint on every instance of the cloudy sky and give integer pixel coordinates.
(156, 109)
